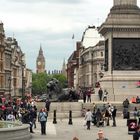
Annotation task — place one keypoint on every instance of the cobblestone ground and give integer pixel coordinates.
(63, 131)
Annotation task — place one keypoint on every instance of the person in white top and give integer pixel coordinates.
(88, 118)
(11, 117)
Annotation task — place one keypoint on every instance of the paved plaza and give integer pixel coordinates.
(63, 131)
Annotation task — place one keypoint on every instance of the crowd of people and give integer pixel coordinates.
(26, 112)
(135, 100)
(85, 94)
(102, 95)
(101, 116)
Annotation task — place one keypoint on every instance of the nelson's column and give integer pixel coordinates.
(121, 31)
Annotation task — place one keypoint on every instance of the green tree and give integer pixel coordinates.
(40, 80)
(62, 79)
(39, 83)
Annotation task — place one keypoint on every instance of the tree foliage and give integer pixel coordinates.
(40, 80)
(39, 83)
(62, 79)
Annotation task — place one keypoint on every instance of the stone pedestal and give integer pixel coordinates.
(122, 49)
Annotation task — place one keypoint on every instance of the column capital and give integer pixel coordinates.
(125, 2)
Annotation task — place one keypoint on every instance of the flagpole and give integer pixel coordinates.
(73, 42)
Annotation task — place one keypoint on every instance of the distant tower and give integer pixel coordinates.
(40, 62)
(64, 69)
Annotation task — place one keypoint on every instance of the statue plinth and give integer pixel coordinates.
(121, 31)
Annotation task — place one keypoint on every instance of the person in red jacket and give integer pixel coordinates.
(89, 95)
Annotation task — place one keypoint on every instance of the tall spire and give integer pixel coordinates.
(40, 51)
(64, 68)
(2, 29)
(64, 62)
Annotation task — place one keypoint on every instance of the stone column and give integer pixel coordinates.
(125, 2)
(122, 25)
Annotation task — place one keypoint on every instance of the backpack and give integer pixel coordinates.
(138, 113)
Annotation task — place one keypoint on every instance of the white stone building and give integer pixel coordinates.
(91, 58)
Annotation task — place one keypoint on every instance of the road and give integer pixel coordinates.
(63, 131)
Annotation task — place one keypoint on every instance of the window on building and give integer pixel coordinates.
(1, 66)
(8, 61)
(14, 82)
(0, 55)
(1, 82)
(15, 73)
(102, 66)
(102, 54)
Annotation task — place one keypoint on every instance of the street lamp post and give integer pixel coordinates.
(9, 80)
(30, 89)
(23, 81)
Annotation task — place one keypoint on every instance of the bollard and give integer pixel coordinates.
(70, 117)
(54, 117)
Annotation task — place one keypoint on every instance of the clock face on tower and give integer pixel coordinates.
(39, 63)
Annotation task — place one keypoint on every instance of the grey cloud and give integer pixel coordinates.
(48, 1)
(66, 1)
(43, 35)
(55, 45)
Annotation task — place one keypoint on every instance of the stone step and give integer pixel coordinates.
(60, 115)
(118, 105)
(111, 97)
(62, 109)
(61, 106)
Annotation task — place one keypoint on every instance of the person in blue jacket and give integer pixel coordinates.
(43, 119)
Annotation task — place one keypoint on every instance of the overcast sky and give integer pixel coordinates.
(51, 23)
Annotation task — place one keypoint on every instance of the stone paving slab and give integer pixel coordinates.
(63, 131)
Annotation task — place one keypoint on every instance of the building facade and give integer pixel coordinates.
(73, 67)
(91, 58)
(12, 67)
(86, 65)
(91, 67)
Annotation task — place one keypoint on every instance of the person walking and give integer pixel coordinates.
(88, 118)
(98, 115)
(84, 95)
(114, 116)
(100, 93)
(33, 114)
(105, 96)
(101, 135)
(89, 95)
(126, 113)
(27, 119)
(136, 135)
(107, 116)
(43, 119)
(135, 112)
(47, 104)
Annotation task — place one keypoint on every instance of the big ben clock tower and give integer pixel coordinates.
(40, 62)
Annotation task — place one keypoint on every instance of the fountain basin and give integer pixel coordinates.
(14, 131)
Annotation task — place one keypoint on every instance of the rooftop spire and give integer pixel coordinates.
(2, 28)
(64, 62)
(40, 51)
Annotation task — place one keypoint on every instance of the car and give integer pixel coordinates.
(41, 98)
